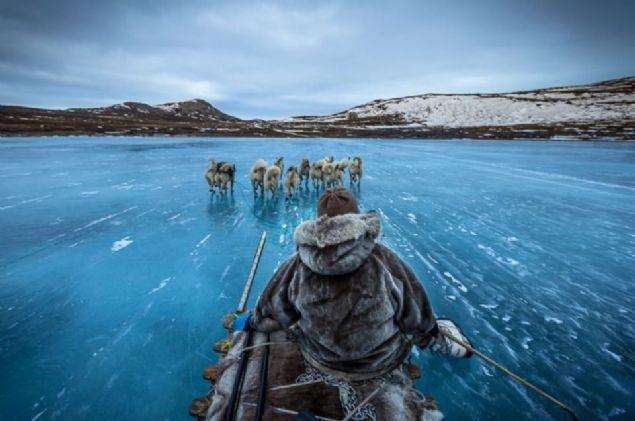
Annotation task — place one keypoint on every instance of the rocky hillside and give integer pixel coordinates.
(195, 109)
(604, 110)
(192, 117)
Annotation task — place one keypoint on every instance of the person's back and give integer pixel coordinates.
(355, 306)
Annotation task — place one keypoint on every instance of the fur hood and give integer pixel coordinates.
(337, 245)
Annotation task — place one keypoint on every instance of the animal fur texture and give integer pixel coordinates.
(272, 180)
(329, 175)
(343, 163)
(257, 175)
(219, 174)
(339, 175)
(226, 173)
(356, 306)
(316, 173)
(395, 397)
(325, 231)
(291, 182)
(279, 162)
(210, 171)
(305, 171)
(355, 170)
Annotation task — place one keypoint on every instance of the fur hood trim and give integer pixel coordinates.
(325, 231)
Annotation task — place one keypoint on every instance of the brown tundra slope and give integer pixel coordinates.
(604, 110)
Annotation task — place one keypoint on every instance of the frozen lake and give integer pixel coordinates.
(116, 267)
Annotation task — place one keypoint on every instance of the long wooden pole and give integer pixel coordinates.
(242, 305)
(234, 399)
(511, 374)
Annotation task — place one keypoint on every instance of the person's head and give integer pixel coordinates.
(336, 201)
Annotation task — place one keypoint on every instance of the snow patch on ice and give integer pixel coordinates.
(162, 285)
(200, 244)
(616, 357)
(407, 197)
(486, 371)
(553, 320)
(105, 218)
(88, 193)
(38, 415)
(455, 281)
(525, 342)
(121, 244)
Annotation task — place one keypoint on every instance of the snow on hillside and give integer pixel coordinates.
(170, 107)
(582, 103)
(195, 109)
(471, 110)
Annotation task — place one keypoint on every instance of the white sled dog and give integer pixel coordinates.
(355, 170)
(316, 173)
(340, 168)
(291, 182)
(329, 175)
(257, 176)
(272, 177)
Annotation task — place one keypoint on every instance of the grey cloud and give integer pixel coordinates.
(274, 59)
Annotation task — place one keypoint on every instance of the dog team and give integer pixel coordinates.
(268, 179)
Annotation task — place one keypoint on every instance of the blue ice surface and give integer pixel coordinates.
(116, 267)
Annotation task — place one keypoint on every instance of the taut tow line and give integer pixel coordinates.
(511, 374)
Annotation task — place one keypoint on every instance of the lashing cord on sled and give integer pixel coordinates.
(511, 374)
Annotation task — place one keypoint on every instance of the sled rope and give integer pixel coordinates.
(291, 385)
(289, 411)
(364, 402)
(346, 391)
(247, 348)
(511, 374)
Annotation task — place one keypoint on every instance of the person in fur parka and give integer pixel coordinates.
(354, 305)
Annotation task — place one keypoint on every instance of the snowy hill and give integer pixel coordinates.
(195, 109)
(604, 110)
(612, 100)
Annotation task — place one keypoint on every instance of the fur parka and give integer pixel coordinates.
(354, 305)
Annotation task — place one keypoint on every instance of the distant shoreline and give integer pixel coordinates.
(264, 138)
(602, 111)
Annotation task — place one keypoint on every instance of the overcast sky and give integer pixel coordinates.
(275, 59)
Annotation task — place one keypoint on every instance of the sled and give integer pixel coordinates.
(263, 376)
